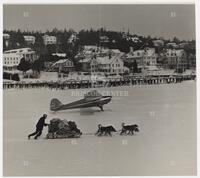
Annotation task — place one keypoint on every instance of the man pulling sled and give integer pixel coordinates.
(56, 129)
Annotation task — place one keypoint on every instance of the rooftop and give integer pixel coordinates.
(49, 36)
(59, 54)
(85, 60)
(150, 52)
(61, 61)
(20, 50)
(177, 52)
(28, 36)
(106, 59)
(6, 35)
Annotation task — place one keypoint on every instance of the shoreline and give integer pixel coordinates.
(128, 81)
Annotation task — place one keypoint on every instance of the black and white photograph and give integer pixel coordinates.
(99, 89)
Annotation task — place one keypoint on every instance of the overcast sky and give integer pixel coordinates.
(155, 20)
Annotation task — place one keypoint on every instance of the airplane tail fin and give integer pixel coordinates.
(55, 104)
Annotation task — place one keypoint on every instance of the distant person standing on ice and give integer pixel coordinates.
(39, 127)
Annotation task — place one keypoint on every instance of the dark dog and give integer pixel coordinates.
(105, 130)
(130, 128)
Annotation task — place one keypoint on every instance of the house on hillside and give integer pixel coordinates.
(11, 61)
(103, 52)
(48, 40)
(110, 65)
(172, 45)
(137, 56)
(59, 54)
(85, 64)
(63, 65)
(73, 38)
(144, 58)
(176, 59)
(29, 39)
(27, 53)
(6, 38)
(104, 39)
(90, 48)
(182, 45)
(149, 57)
(158, 43)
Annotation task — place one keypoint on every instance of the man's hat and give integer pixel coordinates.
(44, 115)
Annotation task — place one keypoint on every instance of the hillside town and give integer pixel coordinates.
(99, 89)
(67, 55)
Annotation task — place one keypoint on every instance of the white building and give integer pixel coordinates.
(89, 51)
(94, 66)
(135, 56)
(11, 61)
(103, 52)
(59, 54)
(104, 39)
(72, 38)
(182, 45)
(176, 58)
(48, 40)
(172, 45)
(90, 48)
(132, 38)
(144, 57)
(6, 38)
(158, 43)
(29, 39)
(63, 65)
(27, 53)
(111, 66)
(89, 54)
(150, 57)
(115, 52)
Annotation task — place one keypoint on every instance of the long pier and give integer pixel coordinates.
(125, 81)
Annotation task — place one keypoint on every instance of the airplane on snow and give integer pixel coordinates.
(91, 99)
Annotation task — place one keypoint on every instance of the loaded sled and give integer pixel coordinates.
(62, 129)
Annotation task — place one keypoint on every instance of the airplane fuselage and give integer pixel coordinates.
(83, 103)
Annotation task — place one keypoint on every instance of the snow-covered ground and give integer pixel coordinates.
(165, 145)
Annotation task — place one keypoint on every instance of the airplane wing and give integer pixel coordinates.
(92, 95)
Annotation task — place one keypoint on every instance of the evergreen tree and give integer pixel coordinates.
(24, 65)
(176, 40)
(4, 45)
(37, 65)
